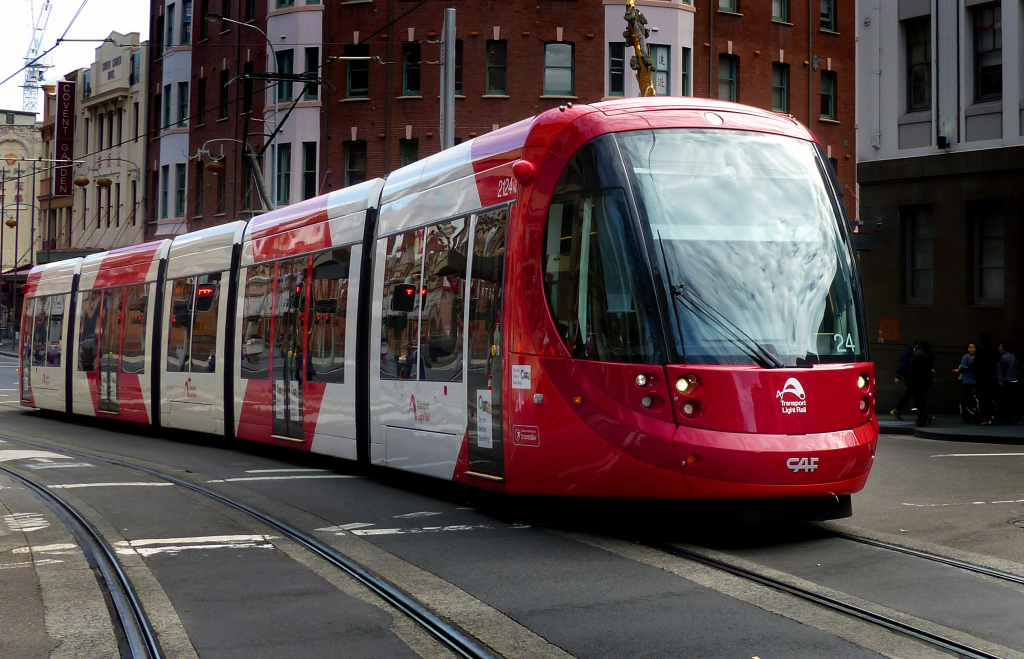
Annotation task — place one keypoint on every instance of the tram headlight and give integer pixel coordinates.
(683, 384)
(865, 405)
(863, 381)
(642, 380)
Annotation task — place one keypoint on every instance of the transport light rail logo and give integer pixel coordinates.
(792, 397)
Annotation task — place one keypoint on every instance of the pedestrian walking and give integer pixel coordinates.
(920, 375)
(903, 373)
(968, 401)
(985, 370)
(1009, 377)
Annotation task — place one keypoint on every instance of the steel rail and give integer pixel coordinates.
(130, 613)
(836, 605)
(953, 562)
(451, 637)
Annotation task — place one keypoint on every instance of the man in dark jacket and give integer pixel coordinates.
(985, 370)
(903, 373)
(920, 376)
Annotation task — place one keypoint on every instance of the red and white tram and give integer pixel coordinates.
(644, 298)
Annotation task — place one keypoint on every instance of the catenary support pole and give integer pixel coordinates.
(448, 80)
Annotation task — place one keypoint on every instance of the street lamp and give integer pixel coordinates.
(217, 166)
(277, 69)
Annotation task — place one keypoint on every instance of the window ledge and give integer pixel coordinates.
(730, 13)
(222, 119)
(778, 21)
(915, 117)
(225, 30)
(826, 120)
(985, 107)
(354, 99)
(571, 98)
(408, 96)
(828, 31)
(495, 96)
(356, 2)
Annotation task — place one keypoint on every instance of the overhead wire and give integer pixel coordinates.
(51, 48)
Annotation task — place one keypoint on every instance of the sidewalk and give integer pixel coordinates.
(950, 428)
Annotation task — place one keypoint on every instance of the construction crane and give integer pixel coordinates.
(636, 34)
(33, 69)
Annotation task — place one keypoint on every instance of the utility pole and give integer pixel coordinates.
(448, 80)
(3, 218)
(14, 284)
(32, 242)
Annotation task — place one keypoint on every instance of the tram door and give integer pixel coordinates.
(27, 332)
(288, 345)
(110, 349)
(483, 348)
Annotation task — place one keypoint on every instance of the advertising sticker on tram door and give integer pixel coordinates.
(484, 433)
(521, 376)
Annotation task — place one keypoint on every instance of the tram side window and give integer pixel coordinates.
(443, 292)
(133, 343)
(56, 330)
(27, 335)
(399, 333)
(327, 315)
(40, 331)
(204, 323)
(180, 325)
(590, 276)
(256, 308)
(87, 332)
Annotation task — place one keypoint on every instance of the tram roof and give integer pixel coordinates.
(52, 278)
(122, 266)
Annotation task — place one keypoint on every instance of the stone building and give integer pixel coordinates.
(21, 173)
(940, 145)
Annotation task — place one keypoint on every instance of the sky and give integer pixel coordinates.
(98, 19)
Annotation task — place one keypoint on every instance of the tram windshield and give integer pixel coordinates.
(745, 228)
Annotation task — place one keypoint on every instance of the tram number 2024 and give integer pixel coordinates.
(507, 187)
(844, 343)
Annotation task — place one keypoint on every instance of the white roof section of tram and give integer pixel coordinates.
(208, 250)
(56, 277)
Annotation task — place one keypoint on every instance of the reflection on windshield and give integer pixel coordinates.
(746, 224)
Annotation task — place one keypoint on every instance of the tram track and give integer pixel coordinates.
(447, 634)
(127, 612)
(844, 607)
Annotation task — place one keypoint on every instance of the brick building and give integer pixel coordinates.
(367, 117)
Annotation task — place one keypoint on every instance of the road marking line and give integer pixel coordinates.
(969, 503)
(26, 522)
(58, 465)
(173, 546)
(279, 478)
(425, 513)
(975, 455)
(425, 529)
(45, 561)
(271, 471)
(75, 486)
(195, 540)
(7, 455)
(58, 548)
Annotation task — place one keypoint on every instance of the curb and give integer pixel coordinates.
(926, 433)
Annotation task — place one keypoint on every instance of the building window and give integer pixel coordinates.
(158, 30)
(989, 252)
(225, 11)
(358, 85)
(728, 77)
(687, 89)
(312, 91)
(729, 5)
(284, 174)
(167, 107)
(200, 184)
(135, 121)
(250, 10)
(136, 73)
(201, 101)
(780, 10)
(919, 63)
(110, 129)
(165, 175)
(169, 39)
(410, 69)
(224, 94)
(828, 94)
(661, 57)
(186, 22)
(182, 103)
(179, 195)
(120, 126)
(410, 151)
(204, 25)
(99, 133)
(135, 200)
(108, 207)
(285, 64)
(285, 3)
(558, 69)
(988, 53)
(458, 67)
(247, 88)
(616, 68)
(308, 170)
(780, 87)
(99, 207)
(496, 62)
(920, 232)
(117, 204)
(87, 85)
(355, 162)
(828, 15)
(222, 192)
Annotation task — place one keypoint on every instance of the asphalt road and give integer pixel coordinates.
(553, 584)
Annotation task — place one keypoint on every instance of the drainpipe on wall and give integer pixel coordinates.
(387, 83)
(711, 44)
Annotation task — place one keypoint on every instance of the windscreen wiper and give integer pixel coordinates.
(696, 303)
